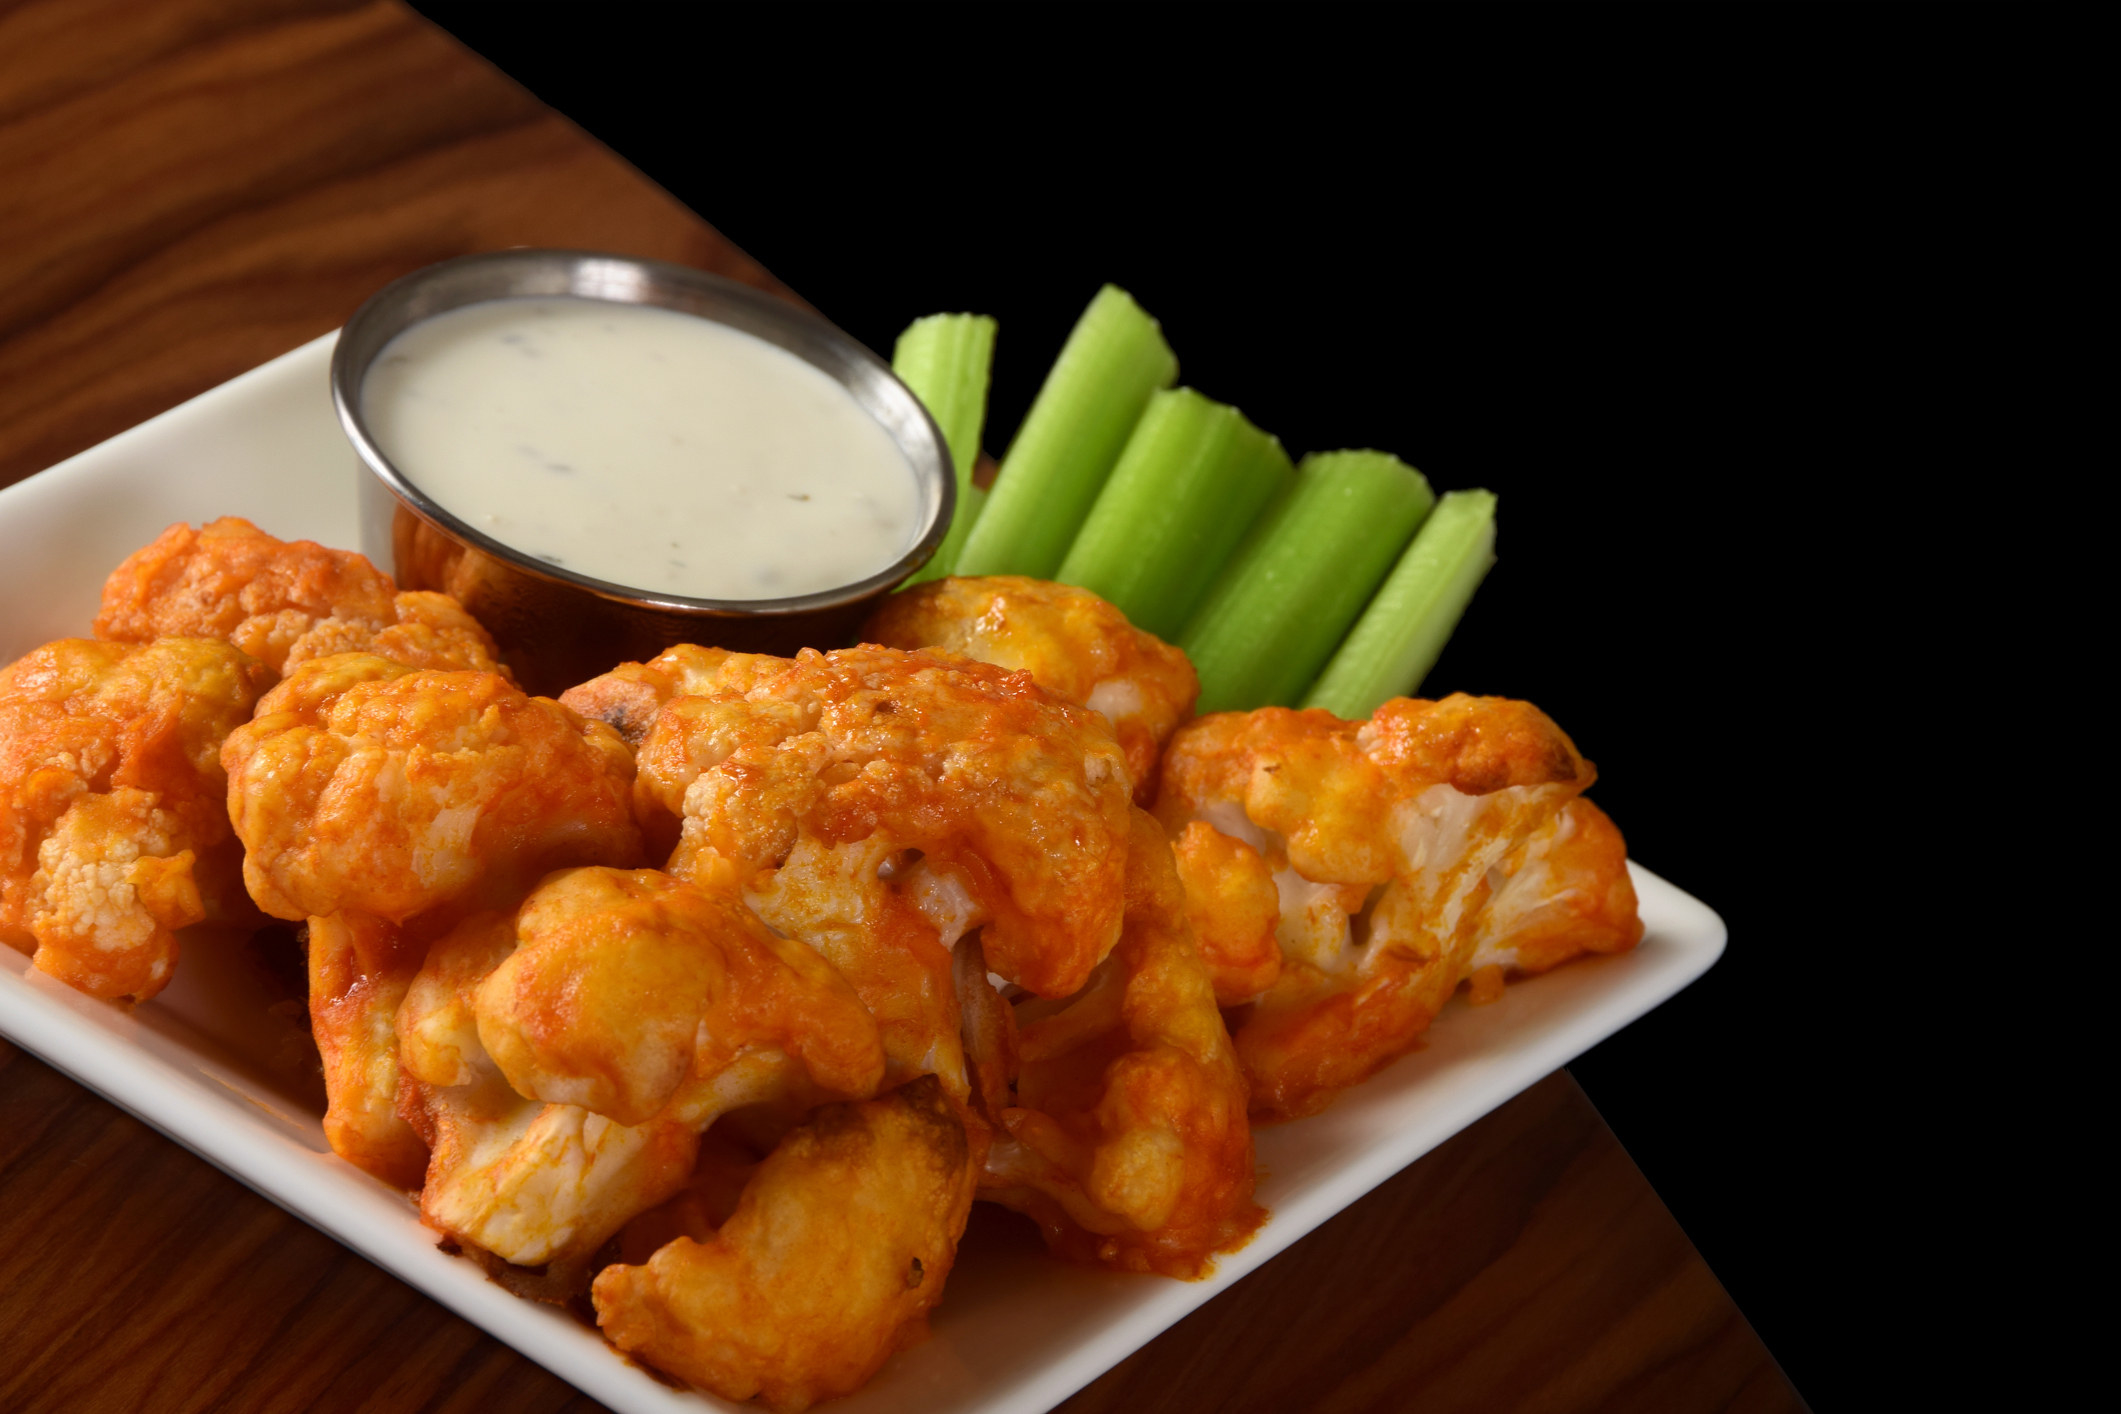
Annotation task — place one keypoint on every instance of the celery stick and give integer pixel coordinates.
(1286, 599)
(1060, 457)
(1397, 639)
(1193, 478)
(971, 500)
(945, 359)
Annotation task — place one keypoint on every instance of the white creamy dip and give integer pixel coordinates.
(644, 447)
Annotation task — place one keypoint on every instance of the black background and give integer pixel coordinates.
(1754, 318)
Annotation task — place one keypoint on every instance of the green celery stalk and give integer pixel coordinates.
(1286, 599)
(971, 501)
(1193, 478)
(1115, 358)
(1398, 638)
(946, 359)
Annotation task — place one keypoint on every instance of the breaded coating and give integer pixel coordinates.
(113, 827)
(878, 805)
(836, 1253)
(626, 987)
(385, 803)
(629, 696)
(283, 602)
(1565, 892)
(1128, 1140)
(534, 1183)
(1386, 839)
(1234, 908)
(435, 1025)
(1074, 645)
(358, 978)
(563, 1060)
(366, 785)
(427, 630)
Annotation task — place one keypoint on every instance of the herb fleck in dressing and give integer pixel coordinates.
(644, 447)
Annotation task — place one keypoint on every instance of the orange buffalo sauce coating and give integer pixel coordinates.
(358, 978)
(113, 829)
(937, 828)
(1233, 907)
(625, 986)
(1128, 1140)
(282, 602)
(878, 805)
(384, 804)
(840, 1245)
(364, 784)
(1073, 643)
(1435, 842)
(564, 1059)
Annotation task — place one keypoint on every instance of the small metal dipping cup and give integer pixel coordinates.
(557, 628)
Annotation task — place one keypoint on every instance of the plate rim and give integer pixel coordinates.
(225, 1126)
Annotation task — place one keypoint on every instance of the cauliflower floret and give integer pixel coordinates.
(1127, 1139)
(564, 1060)
(113, 831)
(629, 697)
(628, 991)
(363, 784)
(837, 1250)
(1564, 892)
(283, 602)
(1387, 841)
(877, 805)
(385, 804)
(1074, 645)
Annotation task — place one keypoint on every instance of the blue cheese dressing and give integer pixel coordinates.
(644, 447)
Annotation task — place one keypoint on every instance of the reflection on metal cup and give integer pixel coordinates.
(555, 627)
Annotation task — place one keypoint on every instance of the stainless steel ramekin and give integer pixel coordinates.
(557, 628)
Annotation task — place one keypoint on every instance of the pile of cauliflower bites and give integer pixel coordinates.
(713, 993)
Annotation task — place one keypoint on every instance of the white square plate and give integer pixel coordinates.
(206, 1063)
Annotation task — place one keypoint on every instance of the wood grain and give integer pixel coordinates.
(135, 1277)
(1524, 1265)
(188, 189)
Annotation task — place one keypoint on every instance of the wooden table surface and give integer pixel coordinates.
(188, 189)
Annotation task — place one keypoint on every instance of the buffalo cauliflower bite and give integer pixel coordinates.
(628, 993)
(629, 697)
(283, 602)
(1565, 892)
(1388, 841)
(363, 784)
(113, 827)
(1074, 645)
(384, 804)
(563, 1061)
(1127, 1139)
(839, 1247)
(879, 805)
